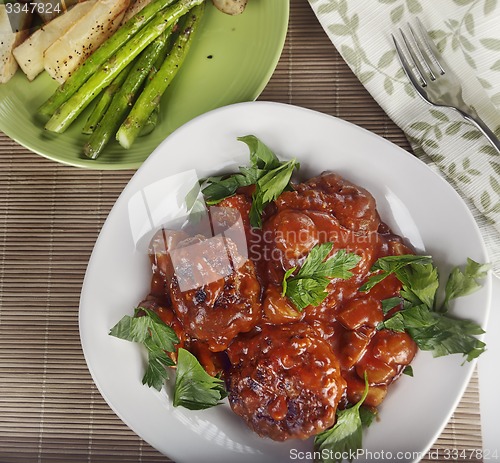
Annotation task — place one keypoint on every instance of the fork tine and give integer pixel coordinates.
(422, 55)
(432, 51)
(407, 67)
(416, 61)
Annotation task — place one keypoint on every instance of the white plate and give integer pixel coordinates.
(413, 200)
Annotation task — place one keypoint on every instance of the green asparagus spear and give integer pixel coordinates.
(151, 123)
(104, 101)
(125, 96)
(150, 96)
(154, 117)
(70, 110)
(94, 61)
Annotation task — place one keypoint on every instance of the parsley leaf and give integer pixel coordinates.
(420, 283)
(367, 415)
(449, 336)
(269, 175)
(143, 325)
(388, 304)
(219, 187)
(268, 188)
(147, 328)
(308, 287)
(260, 155)
(416, 317)
(463, 283)
(346, 435)
(194, 387)
(422, 317)
(408, 370)
(156, 374)
(307, 291)
(388, 265)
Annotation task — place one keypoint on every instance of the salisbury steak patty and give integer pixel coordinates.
(285, 382)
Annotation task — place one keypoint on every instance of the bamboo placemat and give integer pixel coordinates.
(50, 216)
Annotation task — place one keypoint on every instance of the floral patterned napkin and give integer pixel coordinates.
(467, 33)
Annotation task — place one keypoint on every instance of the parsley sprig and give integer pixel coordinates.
(347, 433)
(308, 287)
(147, 328)
(269, 175)
(461, 283)
(194, 388)
(423, 317)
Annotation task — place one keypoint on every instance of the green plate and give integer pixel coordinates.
(231, 60)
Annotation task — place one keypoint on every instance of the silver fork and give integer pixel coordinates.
(433, 80)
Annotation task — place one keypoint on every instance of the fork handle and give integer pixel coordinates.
(483, 128)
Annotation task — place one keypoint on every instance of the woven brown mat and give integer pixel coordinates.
(50, 216)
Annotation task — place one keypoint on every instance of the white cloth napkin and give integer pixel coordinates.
(467, 32)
